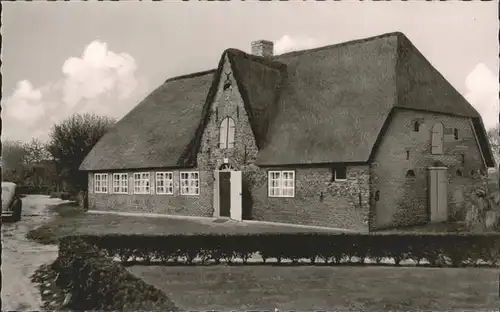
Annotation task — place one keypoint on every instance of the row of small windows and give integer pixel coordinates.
(281, 183)
(142, 183)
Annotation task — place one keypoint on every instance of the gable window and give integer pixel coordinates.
(120, 183)
(416, 126)
(141, 183)
(226, 133)
(190, 183)
(339, 174)
(164, 183)
(437, 139)
(281, 183)
(100, 182)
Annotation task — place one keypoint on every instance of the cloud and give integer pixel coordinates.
(98, 71)
(25, 103)
(482, 92)
(287, 44)
(99, 81)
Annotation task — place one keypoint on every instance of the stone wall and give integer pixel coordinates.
(404, 200)
(318, 200)
(176, 204)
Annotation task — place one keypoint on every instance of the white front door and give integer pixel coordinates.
(236, 204)
(228, 194)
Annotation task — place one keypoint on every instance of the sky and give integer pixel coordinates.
(61, 58)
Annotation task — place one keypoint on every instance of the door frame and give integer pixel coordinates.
(433, 188)
(216, 198)
(229, 186)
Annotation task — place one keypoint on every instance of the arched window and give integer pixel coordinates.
(437, 139)
(226, 133)
(416, 126)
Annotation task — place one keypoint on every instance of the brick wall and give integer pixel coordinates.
(318, 200)
(404, 201)
(176, 204)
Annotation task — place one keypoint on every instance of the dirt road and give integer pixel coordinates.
(21, 257)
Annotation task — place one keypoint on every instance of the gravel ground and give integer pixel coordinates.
(21, 257)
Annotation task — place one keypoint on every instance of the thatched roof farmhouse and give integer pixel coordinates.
(326, 136)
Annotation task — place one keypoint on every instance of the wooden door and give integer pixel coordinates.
(225, 193)
(438, 198)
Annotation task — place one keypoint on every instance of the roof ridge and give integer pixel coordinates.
(294, 53)
(192, 75)
(275, 64)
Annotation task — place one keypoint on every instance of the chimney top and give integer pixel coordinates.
(262, 48)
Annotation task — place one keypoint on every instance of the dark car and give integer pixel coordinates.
(11, 202)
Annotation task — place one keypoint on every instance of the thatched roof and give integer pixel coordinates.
(325, 105)
(156, 132)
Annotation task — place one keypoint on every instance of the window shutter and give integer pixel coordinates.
(131, 184)
(152, 183)
(223, 133)
(437, 139)
(230, 132)
(111, 190)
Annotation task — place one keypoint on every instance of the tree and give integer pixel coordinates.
(13, 161)
(71, 140)
(494, 138)
(36, 152)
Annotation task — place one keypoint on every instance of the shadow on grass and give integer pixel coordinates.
(49, 234)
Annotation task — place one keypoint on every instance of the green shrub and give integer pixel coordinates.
(450, 249)
(98, 283)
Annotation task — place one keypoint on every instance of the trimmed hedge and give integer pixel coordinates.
(461, 249)
(98, 283)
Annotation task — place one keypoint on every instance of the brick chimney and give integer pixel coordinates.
(262, 48)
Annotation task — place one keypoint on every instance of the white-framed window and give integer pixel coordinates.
(281, 183)
(164, 183)
(226, 133)
(141, 183)
(190, 183)
(340, 174)
(120, 183)
(100, 182)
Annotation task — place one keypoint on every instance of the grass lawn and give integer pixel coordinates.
(309, 288)
(69, 219)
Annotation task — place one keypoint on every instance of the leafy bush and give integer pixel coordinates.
(98, 283)
(43, 234)
(437, 249)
